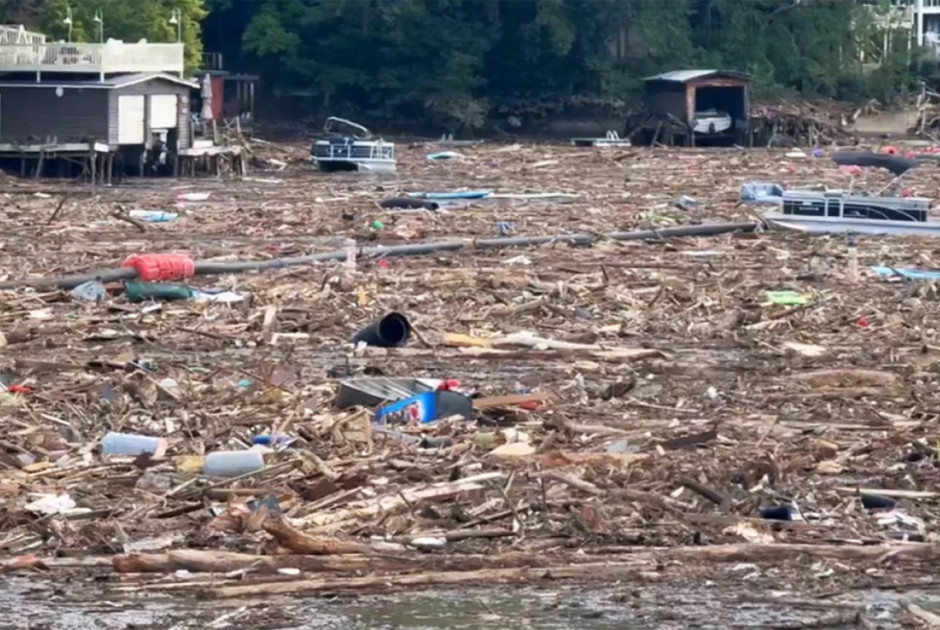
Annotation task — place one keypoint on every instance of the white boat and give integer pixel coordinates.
(841, 212)
(711, 121)
(836, 225)
(355, 151)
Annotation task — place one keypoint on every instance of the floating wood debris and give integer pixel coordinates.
(637, 400)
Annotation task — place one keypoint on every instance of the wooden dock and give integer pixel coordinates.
(96, 158)
(211, 159)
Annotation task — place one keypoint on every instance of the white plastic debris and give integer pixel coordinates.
(193, 196)
(350, 246)
(513, 449)
(515, 435)
(149, 544)
(223, 297)
(518, 260)
(444, 155)
(428, 542)
(896, 518)
(50, 504)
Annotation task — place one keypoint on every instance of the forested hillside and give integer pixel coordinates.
(454, 60)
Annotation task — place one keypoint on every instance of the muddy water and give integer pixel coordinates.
(699, 604)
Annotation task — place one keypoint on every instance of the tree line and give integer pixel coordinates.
(457, 60)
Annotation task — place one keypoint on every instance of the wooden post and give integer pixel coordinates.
(656, 134)
(93, 161)
(42, 156)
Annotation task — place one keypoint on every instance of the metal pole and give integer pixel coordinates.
(415, 249)
(919, 21)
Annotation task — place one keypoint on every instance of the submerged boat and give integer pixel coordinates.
(611, 139)
(355, 150)
(840, 212)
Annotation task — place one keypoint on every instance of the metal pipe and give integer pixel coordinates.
(919, 21)
(415, 249)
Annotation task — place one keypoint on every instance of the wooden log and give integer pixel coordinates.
(212, 561)
(142, 563)
(392, 503)
(622, 568)
(434, 578)
(556, 564)
(303, 543)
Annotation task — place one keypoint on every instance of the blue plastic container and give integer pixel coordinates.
(129, 444)
(232, 463)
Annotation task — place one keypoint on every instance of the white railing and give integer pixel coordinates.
(17, 34)
(893, 17)
(108, 58)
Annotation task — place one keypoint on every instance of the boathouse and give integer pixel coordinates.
(694, 108)
(98, 105)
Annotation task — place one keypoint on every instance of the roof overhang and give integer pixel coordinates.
(110, 84)
(685, 76)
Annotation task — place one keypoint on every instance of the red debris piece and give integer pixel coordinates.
(157, 267)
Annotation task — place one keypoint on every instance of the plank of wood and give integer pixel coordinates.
(901, 494)
(510, 400)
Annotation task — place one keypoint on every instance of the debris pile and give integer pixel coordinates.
(654, 407)
(802, 123)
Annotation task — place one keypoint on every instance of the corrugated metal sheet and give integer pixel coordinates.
(683, 76)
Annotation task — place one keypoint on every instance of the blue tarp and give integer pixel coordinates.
(910, 274)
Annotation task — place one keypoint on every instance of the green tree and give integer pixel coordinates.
(450, 59)
(388, 54)
(20, 11)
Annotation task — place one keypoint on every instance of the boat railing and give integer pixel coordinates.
(354, 150)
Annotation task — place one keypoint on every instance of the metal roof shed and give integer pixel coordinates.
(682, 93)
